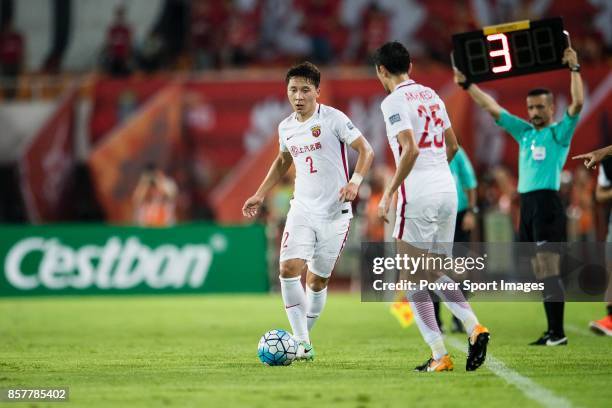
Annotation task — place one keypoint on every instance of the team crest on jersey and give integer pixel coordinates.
(394, 118)
(316, 130)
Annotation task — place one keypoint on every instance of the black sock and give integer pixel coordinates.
(609, 310)
(558, 328)
(548, 308)
(554, 305)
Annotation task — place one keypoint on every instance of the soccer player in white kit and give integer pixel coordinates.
(314, 138)
(423, 143)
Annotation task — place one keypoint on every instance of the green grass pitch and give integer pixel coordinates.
(201, 351)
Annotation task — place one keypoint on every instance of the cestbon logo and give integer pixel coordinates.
(116, 265)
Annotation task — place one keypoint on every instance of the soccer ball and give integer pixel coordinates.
(276, 347)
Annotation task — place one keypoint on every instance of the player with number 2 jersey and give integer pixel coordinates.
(314, 138)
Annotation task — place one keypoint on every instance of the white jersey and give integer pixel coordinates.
(415, 107)
(319, 150)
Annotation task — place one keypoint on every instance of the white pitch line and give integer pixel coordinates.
(529, 388)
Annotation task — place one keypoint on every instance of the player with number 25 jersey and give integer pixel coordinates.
(423, 143)
(428, 192)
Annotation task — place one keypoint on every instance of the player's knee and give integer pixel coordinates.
(316, 283)
(292, 268)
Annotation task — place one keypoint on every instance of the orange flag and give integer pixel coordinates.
(402, 311)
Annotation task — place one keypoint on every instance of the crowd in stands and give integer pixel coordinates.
(225, 33)
(12, 51)
(216, 34)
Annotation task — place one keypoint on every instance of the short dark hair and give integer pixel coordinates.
(540, 91)
(306, 70)
(393, 56)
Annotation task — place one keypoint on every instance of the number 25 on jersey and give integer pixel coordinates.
(430, 116)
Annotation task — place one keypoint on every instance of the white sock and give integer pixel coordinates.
(315, 302)
(424, 315)
(294, 299)
(458, 305)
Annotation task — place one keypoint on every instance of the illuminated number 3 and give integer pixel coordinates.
(504, 52)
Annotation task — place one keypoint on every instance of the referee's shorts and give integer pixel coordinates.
(543, 218)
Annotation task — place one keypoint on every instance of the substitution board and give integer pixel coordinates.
(510, 49)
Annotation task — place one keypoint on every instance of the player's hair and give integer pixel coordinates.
(306, 70)
(393, 56)
(541, 91)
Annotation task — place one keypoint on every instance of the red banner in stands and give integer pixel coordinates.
(149, 136)
(228, 120)
(115, 99)
(48, 163)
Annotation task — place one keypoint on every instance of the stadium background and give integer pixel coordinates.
(197, 87)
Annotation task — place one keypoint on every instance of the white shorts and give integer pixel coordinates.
(429, 223)
(318, 242)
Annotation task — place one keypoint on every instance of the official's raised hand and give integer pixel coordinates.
(458, 76)
(570, 57)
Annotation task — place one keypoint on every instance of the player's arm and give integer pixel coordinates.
(471, 194)
(594, 157)
(364, 161)
(452, 146)
(576, 89)
(482, 99)
(410, 152)
(278, 169)
(469, 219)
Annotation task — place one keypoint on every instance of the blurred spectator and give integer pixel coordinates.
(155, 199)
(243, 33)
(118, 47)
(274, 212)
(151, 55)
(12, 51)
(208, 31)
(127, 103)
(374, 225)
(282, 35)
(498, 194)
(278, 204)
(582, 205)
(443, 17)
(565, 190)
(375, 30)
(319, 23)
